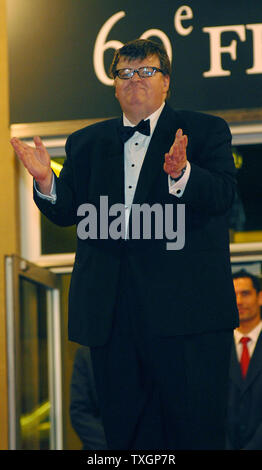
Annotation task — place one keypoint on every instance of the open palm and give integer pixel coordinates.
(36, 160)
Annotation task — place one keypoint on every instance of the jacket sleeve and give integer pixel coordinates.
(211, 185)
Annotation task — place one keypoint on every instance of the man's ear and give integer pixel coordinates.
(114, 84)
(166, 83)
(260, 298)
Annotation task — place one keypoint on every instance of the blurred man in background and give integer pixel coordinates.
(244, 423)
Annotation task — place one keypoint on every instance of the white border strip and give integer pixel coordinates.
(55, 368)
(11, 351)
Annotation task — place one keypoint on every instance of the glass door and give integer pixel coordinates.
(34, 356)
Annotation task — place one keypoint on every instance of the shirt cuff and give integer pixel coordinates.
(177, 188)
(52, 196)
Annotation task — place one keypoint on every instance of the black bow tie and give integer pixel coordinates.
(127, 131)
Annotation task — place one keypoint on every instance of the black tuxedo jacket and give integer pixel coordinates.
(244, 420)
(181, 291)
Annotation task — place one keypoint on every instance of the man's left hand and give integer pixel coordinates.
(176, 158)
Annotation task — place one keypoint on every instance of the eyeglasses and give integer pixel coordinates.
(143, 72)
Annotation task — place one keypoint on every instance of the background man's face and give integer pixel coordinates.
(141, 94)
(248, 300)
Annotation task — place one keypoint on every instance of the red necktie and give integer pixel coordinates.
(245, 358)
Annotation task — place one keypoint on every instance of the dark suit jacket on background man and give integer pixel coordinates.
(244, 414)
(244, 422)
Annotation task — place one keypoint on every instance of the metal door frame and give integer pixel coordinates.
(15, 268)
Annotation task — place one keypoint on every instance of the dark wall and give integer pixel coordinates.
(51, 45)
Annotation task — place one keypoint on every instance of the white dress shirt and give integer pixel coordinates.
(253, 335)
(134, 153)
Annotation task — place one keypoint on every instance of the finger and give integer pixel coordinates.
(177, 153)
(179, 148)
(179, 137)
(41, 150)
(38, 142)
(182, 148)
(16, 143)
(183, 145)
(39, 145)
(169, 158)
(19, 147)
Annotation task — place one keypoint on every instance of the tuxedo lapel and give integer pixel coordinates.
(161, 141)
(113, 165)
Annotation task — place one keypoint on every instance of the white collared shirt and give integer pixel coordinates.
(134, 153)
(253, 335)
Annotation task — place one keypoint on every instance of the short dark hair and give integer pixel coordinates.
(243, 273)
(140, 49)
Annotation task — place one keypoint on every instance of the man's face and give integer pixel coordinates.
(248, 300)
(141, 96)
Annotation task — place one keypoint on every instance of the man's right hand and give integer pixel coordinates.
(37, 161)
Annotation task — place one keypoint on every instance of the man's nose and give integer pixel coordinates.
(136, 76)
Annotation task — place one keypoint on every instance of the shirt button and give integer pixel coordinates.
(178, 191)
(130, 187)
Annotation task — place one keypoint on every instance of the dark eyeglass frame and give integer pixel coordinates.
(138, 71)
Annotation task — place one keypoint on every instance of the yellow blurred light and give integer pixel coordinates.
(56, 167)
(238, 159)
(31, 420)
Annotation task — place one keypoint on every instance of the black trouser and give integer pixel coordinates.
(165, 393)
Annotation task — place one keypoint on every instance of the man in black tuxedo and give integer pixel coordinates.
(244, 417)
(160, 346)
